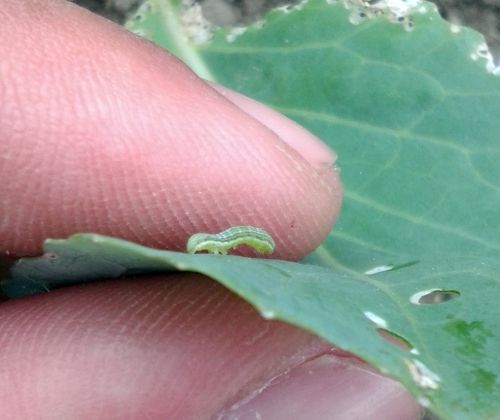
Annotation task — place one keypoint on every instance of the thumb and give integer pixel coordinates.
(176, 347)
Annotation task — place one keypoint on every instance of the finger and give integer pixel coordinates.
(102, 131)
(324, 388)
(172, 348)
(310, 147)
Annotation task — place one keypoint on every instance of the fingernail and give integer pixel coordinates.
(317, 153)
(326, 388)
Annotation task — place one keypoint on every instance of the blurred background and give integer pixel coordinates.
(483, 15)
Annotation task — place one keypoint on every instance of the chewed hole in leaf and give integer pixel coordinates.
(388, 335)
(433, 296)
(51, 256)
(194, 24)
(483, 52)
(389, 267)
(395, 11)
(376, 319)
(422, 375)
(395, 339)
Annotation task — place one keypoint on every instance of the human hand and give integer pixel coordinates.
(103, 132)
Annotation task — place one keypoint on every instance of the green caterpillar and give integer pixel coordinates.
(220, 243)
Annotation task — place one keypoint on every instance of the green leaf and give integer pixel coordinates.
(414, 119)
(343, 306)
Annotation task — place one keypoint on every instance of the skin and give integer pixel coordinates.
(101, 131)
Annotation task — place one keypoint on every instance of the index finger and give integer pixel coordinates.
(102, 131)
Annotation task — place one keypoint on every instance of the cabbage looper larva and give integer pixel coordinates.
(220, 243)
